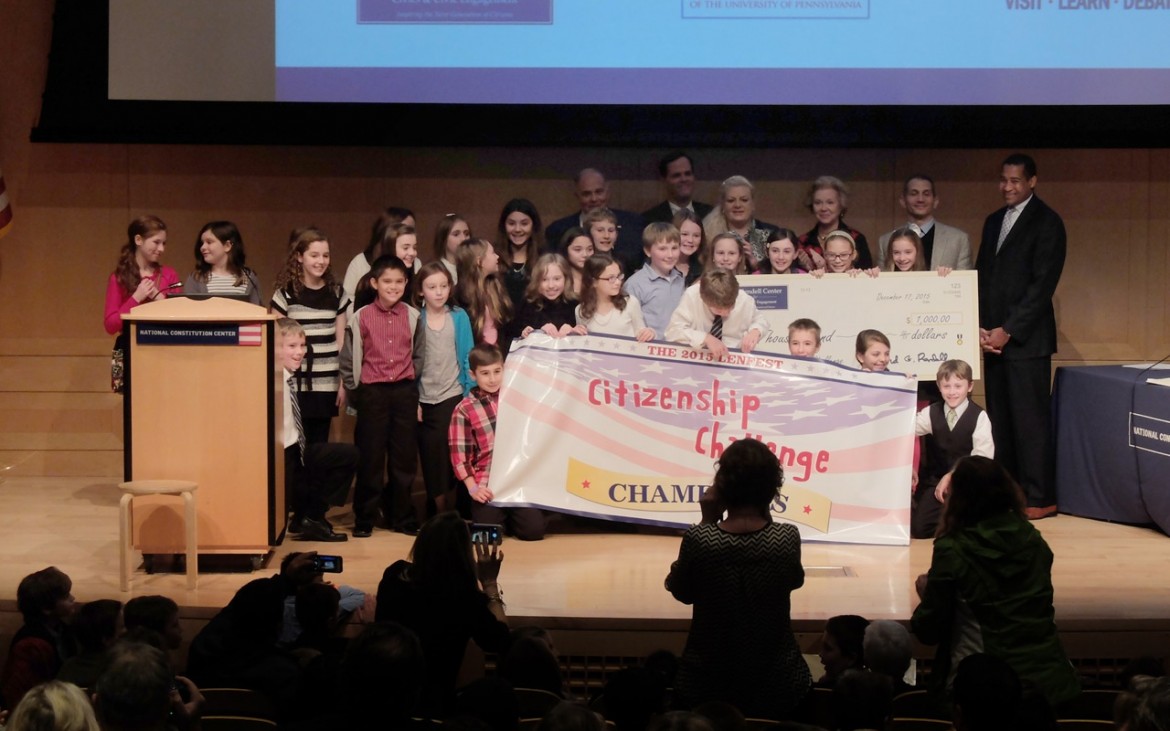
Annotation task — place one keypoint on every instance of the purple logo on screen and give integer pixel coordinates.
(472, 12)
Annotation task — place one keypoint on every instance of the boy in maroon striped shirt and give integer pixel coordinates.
(378, 372)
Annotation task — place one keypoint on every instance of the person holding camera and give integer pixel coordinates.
(738, 568)
(447, 594)
(238, 647)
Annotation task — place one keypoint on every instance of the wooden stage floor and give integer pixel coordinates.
(1108, 578)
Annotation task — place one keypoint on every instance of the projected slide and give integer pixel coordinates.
(728, 52)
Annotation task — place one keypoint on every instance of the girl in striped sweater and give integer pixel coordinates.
(307, 292)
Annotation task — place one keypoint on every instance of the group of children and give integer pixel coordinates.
(417, 350)
(422, 386)
(948, 428)
(713, 313)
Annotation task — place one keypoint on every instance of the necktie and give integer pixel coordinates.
(951, 418)
(717, 327)
(296, 409)
(1008, 216)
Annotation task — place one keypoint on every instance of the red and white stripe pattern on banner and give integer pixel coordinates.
(5, 208)
(251, 334)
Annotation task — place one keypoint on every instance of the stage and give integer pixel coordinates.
(602, 593)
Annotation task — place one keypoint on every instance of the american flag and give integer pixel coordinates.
(251, 334)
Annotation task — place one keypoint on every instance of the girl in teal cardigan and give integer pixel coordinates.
(442, 343)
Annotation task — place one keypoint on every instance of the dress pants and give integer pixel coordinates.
(925, 511)
(323, 479)
(385, 430)
(317, 412)
(317, 429)
(1019, 405)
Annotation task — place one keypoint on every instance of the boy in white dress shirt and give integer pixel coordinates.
(314, 474)
(954, 427)
(717, 315)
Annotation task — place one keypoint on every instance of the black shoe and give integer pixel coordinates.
(318, 530)
(362, 530)
(407, 527)
(296, 525)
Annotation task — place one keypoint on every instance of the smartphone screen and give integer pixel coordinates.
(488, 533)
(328, 564)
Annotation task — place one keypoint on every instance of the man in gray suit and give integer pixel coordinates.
(942, 245)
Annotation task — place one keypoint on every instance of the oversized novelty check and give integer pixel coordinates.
(928, 318)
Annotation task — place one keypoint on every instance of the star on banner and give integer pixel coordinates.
(807, 509)
(585, 484)
(872, 412)
(804, 385)
(799, 414)
(653, 368)
(831, 400)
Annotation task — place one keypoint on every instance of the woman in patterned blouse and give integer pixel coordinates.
(738, 569)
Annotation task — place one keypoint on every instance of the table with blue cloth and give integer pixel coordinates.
(1113, 444)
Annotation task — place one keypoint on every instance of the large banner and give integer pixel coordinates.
(615, 429)
(928, 318)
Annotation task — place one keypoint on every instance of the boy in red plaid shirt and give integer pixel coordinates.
(472, 436)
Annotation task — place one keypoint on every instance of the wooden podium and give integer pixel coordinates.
(204, 403)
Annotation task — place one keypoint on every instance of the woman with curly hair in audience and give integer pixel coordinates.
(738, 568)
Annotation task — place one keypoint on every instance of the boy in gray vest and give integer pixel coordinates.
(954, 427)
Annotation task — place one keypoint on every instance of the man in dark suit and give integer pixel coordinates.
(678, 176)
(1020, 260)
(593, 192)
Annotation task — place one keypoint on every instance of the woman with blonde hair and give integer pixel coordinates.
(53, 706)
(736, 213)
(828, 200)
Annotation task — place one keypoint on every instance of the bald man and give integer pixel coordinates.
(592, 192)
